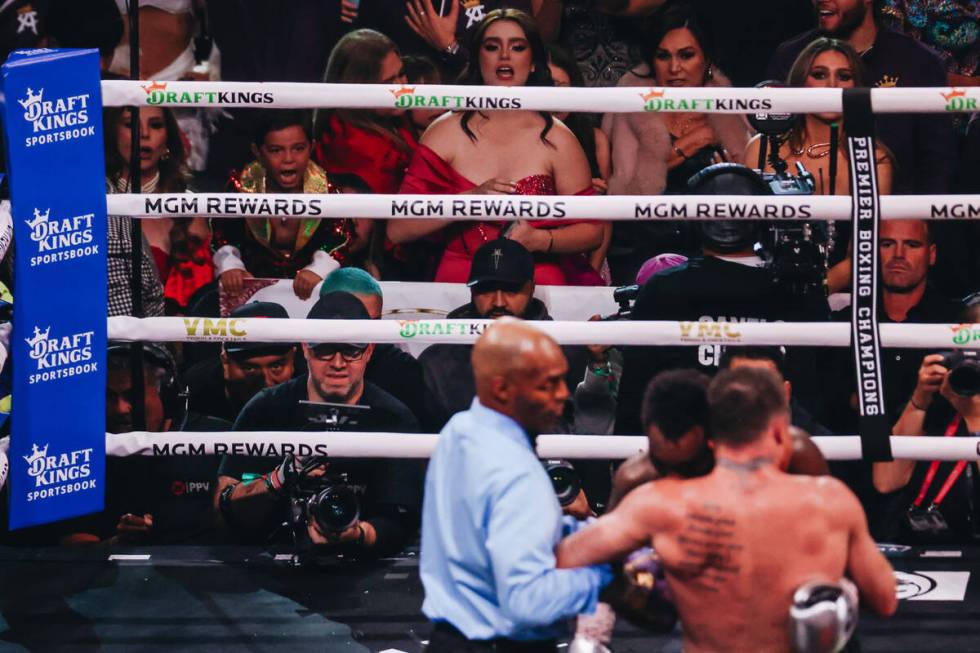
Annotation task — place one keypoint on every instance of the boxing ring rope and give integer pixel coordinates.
(670, 333)
(535, 207)
(292, 95)
(341, 444)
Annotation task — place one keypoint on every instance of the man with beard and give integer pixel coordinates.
(501, 282)
(222, 386)
(922, 144)
(490, 519)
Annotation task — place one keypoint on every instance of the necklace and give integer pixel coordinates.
(750, 465)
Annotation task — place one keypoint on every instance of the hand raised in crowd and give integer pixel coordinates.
(932, 374)
(493, 186)
(305, 282)
(438, 31)
(231, 280)
(348, 11)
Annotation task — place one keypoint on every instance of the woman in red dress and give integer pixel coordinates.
(374, 144)
(511, 152)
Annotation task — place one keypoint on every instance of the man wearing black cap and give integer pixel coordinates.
(221, 387)
(501, 283)
(391, 489)
(727, 284)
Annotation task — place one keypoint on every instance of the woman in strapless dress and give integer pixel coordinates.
(507, 152)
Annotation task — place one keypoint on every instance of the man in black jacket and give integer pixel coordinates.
(501, 283)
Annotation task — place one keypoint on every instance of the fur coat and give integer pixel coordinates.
(641, 143)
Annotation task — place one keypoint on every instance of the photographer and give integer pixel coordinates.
(151, 499)
(255, 495)
(938, 498)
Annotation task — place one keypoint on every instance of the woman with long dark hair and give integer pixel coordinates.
(654, 153)
(179, 245)
(510, 152)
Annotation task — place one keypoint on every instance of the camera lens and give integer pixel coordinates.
(335, 509)
(964, 377)
(564, 480)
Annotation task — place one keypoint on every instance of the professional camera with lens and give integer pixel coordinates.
(565, 480)
(964, 371)
(328, 500)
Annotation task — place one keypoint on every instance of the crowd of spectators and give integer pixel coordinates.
(686, 272)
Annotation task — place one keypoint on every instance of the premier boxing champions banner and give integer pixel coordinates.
(52, 116)
(865, 338)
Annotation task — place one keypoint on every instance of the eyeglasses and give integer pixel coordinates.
(326, 352)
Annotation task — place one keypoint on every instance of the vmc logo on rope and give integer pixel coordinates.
(60, 357)
(60, 474)
(61, 239)
(61, 119)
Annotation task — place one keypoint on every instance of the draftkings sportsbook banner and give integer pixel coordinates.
(52, 119)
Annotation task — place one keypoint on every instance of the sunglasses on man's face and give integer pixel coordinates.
(349, 352)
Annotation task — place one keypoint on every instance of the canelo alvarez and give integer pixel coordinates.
(749, 552)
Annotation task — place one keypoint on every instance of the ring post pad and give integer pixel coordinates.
(52, 120)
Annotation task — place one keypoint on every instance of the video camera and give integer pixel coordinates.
(327, 500)
(796, 253)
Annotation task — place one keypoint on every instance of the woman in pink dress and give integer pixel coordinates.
(507, 152)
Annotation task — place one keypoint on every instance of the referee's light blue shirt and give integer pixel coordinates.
(490, 523)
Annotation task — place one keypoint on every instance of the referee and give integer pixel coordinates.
(490, 518)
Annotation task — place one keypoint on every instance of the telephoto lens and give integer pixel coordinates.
(334, 508)
(964, 372)
(564, 479)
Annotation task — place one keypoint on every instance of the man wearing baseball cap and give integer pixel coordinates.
(222, 386)
(392, 488)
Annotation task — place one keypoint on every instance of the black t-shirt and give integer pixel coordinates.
(206, 388)
(399, 374)
(900, 366)
(958, 508)
(392, 488)
(714, 295)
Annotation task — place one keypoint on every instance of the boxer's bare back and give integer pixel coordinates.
(737, 543)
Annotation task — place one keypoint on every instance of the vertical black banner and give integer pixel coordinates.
(866, 215)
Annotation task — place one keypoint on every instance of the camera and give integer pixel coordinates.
(964, 371)
(624, 296)
(329, 501)
(564, 479)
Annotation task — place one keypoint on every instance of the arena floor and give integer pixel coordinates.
(235, 599)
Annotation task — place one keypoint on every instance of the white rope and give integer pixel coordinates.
(536, 207)
(283, 95)
(791, 334)
(275, 444)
